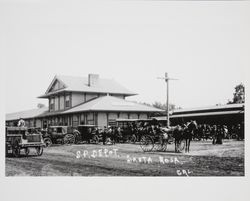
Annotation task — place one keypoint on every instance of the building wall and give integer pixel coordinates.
(61, 102)
(133, 116)
(102, 119)
(75, 120)
(77, 98)
(90, 118)
(38, 123)
(91, 96)
(56, 104)
(123, 115)
(143, 116)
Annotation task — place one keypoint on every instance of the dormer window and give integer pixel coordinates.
(67, 101)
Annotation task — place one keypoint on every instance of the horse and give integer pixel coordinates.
(188, 132)
(178, 137)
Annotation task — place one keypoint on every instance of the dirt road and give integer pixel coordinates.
(204, 159)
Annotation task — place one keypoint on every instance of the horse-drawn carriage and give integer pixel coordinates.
(87, 133)
(59, 135)
(155, 137)
(18, 138)
(152, 136)
(127, 131)
(158, 138)
(147, 132)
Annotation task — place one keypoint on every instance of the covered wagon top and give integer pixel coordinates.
(91, 84)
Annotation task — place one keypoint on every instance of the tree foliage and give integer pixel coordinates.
(40, 105)
(164, 106)
(239, 94)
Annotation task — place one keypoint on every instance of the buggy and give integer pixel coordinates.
(59, 135)
(18, 138)
(87, 133)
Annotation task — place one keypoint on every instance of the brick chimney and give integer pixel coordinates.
(93, 79)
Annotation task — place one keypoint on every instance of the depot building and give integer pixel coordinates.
(83, 100)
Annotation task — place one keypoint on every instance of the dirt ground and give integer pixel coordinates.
(204, 159)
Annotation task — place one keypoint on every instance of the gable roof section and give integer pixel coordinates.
(27, 114)
(55, 79)
(110, 103)
(80, 84)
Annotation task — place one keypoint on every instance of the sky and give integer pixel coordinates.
(205, 45)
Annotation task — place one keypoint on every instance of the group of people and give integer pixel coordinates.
(214, 132)
(219, 132)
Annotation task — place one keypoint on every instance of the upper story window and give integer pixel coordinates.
(52, 104)
(67, 101)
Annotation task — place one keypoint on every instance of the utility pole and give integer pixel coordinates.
(166, 78)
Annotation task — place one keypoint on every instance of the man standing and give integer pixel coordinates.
(21, 123)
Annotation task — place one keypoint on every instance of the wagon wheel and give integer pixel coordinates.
(16, 149)
(108, 141)
(39, 151)
(27, 151)
(170, 139)
(147, 143)
(69, 139)
(180, 146)
(47, 142)
(96, 139)
(133, 139)
(162, 145)
(6, 149)
(77, 137)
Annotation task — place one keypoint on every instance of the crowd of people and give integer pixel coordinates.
(214, 132)
(217, 132)
(134, 130)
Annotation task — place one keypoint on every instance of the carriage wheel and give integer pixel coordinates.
(96, 139)
(147, 143)
(181, 146)
(162, 145)
(16, 149)
(69, 139)
(108, 141)
(6, 149)
(39, 151)
(47, 142)
(77, 137)
(133, 139)
(27, 151)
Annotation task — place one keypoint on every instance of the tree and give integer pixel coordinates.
(163, 106)
(40, 105)
(239, 94)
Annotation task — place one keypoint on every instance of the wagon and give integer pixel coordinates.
(59, 135)
(87, 133)
(159, 139)
(129, 131)
(18, 138)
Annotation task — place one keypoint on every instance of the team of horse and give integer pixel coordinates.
(180, 133)
(185, 132)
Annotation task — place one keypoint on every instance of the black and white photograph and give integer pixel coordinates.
(125, 89)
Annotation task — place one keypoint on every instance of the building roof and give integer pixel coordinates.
(80, 84)
(228, 107)
(207, 114)
(111, 103)
(27, 114)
